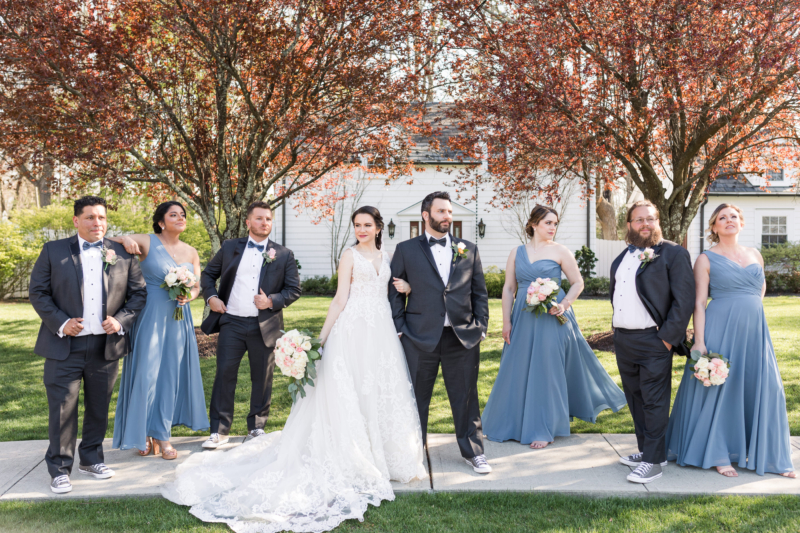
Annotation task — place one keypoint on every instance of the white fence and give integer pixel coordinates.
(606, 252)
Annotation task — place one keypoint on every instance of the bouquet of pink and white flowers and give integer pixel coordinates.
(541, 296)
(179, 282)
(710, 368)
(296, 353)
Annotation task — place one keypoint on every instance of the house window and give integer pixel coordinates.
(414, 229)
(457, 230)
(775, 175)
(773, 230)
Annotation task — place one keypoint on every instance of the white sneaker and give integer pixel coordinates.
(479, 464)
(255, 433)
(215, 441)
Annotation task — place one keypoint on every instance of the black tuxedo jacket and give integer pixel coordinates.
(279, 280)
(56, 293)
(420, 316)
(666, 288)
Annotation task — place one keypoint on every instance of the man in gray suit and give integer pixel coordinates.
(443, 320)
(88, 291)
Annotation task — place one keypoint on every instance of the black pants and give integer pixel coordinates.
(645, 366)
(62, 380)
(460, 372)
(238, 335)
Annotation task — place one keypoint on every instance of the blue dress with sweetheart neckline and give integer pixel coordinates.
(744, 420)
(548, 374)
(161, 385)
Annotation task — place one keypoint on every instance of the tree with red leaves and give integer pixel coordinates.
(217, 102)
(667, 92)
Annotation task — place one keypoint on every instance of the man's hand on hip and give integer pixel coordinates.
(217, 305)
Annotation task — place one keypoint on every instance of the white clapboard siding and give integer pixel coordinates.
(397, 202)
(606, 252)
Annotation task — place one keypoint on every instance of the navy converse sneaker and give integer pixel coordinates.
(479, 464)
(634, 459)
(99, 471)
(61, 485)
(645, 473)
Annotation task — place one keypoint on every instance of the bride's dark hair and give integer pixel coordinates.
(376, 216)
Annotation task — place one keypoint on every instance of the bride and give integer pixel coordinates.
(356, 429)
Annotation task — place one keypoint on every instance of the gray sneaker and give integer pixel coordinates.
(479, 464)
(99, 471)
(634, 459)
(61, 485)
(255, 433)
(645, 473)
(215, 441)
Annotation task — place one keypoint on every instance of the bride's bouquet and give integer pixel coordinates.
(296, 353)
(179, 282)
(541, 296)
(710, 368)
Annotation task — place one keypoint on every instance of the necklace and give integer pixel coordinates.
(173, 254)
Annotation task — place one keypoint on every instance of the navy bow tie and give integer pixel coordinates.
(432, 242)
(632, 248)
(87, 245)
(259, 247)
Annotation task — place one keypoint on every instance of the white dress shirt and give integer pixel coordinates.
(245, 286)
(92, 265)
(442, 256)
(629, 311)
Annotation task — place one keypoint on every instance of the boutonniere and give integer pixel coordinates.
(459, 250)
(109, 257)
(646, 256)
(269, 256)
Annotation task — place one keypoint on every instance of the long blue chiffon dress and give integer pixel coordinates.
(161, 385)
(744, 420)
(548, 374)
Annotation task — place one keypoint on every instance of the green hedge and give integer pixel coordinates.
(779, 282)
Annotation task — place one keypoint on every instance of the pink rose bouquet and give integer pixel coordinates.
(541, 296)
(179, 282)
(296, 354)
(710, 368)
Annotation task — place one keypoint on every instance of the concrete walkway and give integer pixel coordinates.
(580, 464)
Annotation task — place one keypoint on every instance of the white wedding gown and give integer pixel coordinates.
(354, 431)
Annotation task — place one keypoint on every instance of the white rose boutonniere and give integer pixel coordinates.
(269, 256)
(647, 256)
(459, 250)
(109, 257)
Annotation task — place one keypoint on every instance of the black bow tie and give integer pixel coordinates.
(432, 242)
(259, 247)
(87, 245)
(632, 248)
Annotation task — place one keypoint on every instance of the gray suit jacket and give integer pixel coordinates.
(420, 316)
(280, 280)
(56, 292)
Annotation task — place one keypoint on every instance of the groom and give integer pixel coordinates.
(653, 299)
(87, 291)
(443, 321)
(257, 279)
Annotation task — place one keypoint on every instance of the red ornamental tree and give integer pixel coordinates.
(668, 92)
(218, 102)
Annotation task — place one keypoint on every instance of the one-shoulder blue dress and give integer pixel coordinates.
(744, 420)
(548, 374)
(161, 385)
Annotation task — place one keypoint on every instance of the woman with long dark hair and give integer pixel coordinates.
(161, 385)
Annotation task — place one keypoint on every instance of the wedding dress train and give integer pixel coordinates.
(356, 430)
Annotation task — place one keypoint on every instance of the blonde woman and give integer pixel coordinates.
(743, 421)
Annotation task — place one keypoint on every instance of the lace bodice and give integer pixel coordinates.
(366, 282)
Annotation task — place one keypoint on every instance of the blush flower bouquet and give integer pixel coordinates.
(541, 296)
(179, 282)
(710, 368)
(296, 354)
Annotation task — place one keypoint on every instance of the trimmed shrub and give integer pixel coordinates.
(778, 282)
(318, 285)
(596, 287)
(494, 283)
(586, 259)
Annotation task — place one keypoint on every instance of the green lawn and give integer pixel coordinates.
(23, 404)
(442, 512)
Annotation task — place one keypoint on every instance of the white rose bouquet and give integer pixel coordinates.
(710, 368)
(296, 354)
(179, 282)
(541, 296)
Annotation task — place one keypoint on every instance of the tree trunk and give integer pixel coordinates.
(608, 219)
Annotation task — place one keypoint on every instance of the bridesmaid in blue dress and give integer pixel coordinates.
(161, 385)
(743, 420)
(548, 373)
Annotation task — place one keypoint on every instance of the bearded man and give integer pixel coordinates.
(653, 294)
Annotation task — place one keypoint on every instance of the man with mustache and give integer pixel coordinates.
(653, 293)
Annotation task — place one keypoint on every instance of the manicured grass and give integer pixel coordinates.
(442, 512)
(23, 404)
